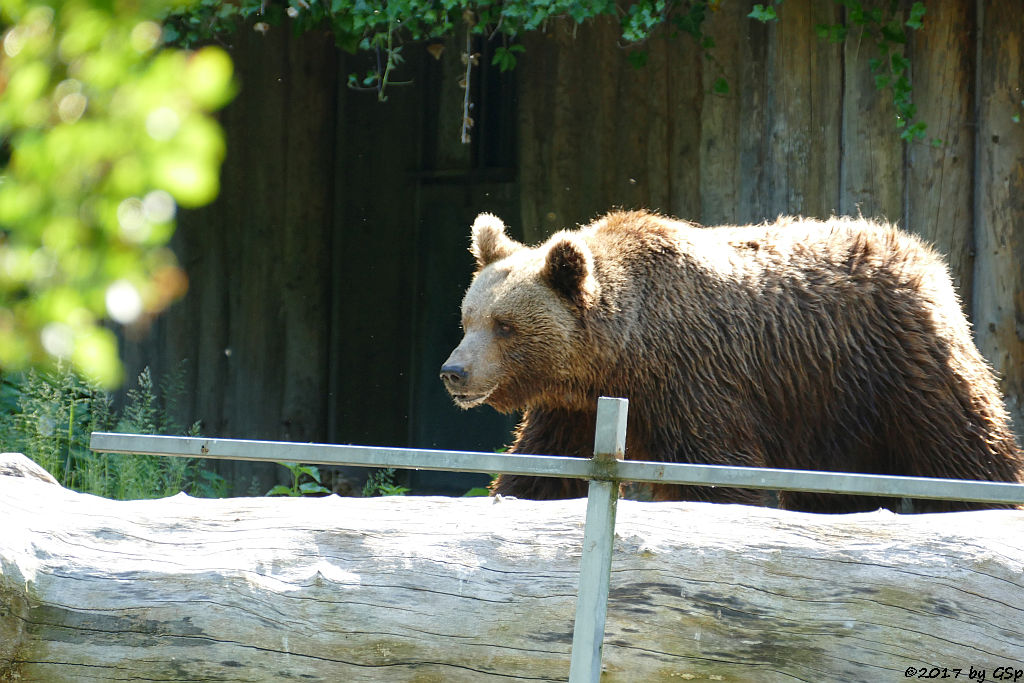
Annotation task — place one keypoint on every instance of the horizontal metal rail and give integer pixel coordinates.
(561, 466)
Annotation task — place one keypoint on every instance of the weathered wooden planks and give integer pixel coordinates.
(999, 208)
(940, 178)
(872, 169)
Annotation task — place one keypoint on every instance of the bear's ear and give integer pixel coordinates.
(569, 270)
(490, 243)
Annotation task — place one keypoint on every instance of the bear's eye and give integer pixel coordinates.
(504, 328)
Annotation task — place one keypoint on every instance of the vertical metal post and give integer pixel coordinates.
(598, 539)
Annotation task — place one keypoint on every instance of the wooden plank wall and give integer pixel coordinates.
(999, 201)
(317, 308)
(304, 318)
(802, 131)
(254, 329)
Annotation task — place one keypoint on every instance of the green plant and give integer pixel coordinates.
(765, 13)
(49, 415)
(305, 488)
(882, 24)
(381, 482)
(383, 29)
(103, 134)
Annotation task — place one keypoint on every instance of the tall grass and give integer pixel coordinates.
(49, 415)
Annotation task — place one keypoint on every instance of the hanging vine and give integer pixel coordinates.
(383, 28)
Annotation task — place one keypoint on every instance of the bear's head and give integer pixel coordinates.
(523, 319)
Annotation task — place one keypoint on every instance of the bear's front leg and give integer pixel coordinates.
(550, 432)
(538, 488)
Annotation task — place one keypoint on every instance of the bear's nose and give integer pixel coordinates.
(453, 375)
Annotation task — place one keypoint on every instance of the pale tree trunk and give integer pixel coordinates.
(430, 589)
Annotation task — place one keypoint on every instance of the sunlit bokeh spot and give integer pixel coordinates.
(131, 217)
(58, 339)
(158, 206)
(145, 36)
(124, 303)
(72, 107)
(162, 123)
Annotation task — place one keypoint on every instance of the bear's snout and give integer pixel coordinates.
(453, 375)
(469, 372)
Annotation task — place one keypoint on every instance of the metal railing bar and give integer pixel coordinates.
(811, 481)
(561, 466)
(598, 542)
(338, 454)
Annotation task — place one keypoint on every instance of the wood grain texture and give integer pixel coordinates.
(803, 155)
(940, 184)
(674, 145)
(999, 217)
(373, 266)
(755, 102)
(306, 236)
(597, 132)
(871, 172)
(255, 235)
(721, 130)
(431, 589)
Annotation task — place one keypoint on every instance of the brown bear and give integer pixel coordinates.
(825, 345)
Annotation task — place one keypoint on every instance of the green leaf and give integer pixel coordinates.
(692, 21)
(171, 34)
(720, 86)
(893, 33)
(392, 490)
(312, 471)
(637, 58)
(763, 14)
(899, 63)
(833, 33)
(504, 57)
(917, 12)
(281, 490)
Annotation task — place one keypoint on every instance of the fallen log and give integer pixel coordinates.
(432, 589)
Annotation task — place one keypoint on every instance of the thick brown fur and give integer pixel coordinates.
(826, 345)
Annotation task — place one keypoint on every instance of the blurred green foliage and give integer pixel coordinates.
(104, 132)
